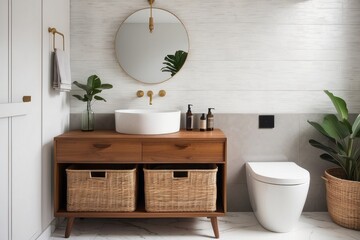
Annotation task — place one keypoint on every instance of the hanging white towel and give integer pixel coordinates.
(62, 75)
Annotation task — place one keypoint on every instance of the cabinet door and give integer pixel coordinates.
(4, 122)
(4, 177)
(26, 130)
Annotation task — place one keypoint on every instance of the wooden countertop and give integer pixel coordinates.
(112, 134)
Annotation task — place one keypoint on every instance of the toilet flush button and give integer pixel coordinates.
(266, 121)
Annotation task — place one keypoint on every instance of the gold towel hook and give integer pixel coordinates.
(54, 31)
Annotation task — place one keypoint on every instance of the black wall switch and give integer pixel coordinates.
(266, 121)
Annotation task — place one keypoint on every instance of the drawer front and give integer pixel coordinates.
(97, 151)
(186, 151)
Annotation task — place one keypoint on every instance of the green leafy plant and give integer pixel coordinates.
(343, 149)
(174, 62)
(92, 88)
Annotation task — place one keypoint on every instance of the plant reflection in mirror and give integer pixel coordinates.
(174, 62)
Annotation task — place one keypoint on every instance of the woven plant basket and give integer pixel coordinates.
(343, 199)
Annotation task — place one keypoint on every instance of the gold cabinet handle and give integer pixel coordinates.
(26, 98)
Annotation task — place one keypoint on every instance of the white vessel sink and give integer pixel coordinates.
(146, 121)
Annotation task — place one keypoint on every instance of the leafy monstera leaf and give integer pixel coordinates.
(174, 62)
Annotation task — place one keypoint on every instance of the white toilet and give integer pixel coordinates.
(277, 192)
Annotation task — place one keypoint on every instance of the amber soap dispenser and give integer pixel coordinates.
(210, 120)
(189, 119)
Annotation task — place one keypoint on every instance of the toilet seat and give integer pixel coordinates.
(279, 173)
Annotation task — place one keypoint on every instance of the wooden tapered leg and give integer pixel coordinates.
(215, 227)
(69, 225)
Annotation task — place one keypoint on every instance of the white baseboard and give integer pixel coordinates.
(46, 234)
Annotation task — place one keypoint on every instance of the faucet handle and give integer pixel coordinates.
(140, 93)
(162, 93)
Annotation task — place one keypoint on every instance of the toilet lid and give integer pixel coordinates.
(281, 173)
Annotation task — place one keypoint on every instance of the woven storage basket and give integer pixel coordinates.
(180, 190)
(343, 199)
(115, 190)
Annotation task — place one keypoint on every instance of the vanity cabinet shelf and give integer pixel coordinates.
(100, 149)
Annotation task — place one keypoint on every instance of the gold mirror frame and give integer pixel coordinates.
(138, 66)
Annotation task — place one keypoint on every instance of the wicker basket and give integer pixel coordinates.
(343, 199)
(101, 190)
(180, 190)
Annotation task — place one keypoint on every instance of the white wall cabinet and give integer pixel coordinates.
(21, 143)
(25, 152)
(26, 130)
(4, 179)
(4, 122)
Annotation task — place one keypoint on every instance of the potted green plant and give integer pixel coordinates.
(92, 88)
(342, 183)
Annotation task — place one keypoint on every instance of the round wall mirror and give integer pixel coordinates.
(151, 57)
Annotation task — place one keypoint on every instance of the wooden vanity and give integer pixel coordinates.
(109, 147)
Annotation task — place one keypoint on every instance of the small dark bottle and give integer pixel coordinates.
(210, 120)
(189, 119)
(202, 123)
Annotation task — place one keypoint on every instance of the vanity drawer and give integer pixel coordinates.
(85, 150)
(186, 151)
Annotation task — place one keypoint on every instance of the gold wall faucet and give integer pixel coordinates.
(150, 95)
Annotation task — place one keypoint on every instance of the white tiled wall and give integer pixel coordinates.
(246, 56)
